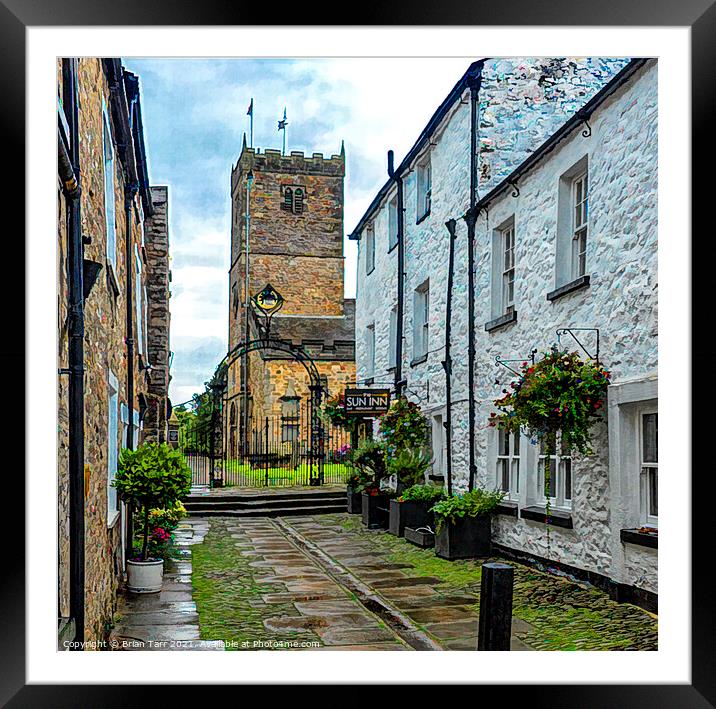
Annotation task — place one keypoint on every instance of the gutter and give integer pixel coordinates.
(474, 82)
(447, 364)
(398, 381)
(69, 167)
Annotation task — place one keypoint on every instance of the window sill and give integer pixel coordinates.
(436, 477)
(507, 507)
(557, 518)
(423, 218)
(576, 284)
(111, 521)
(418, 360)
(391, 370)
(503, 320)
(642, 539)
(368, 380)
(392, 248)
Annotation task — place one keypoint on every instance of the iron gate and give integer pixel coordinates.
(278, 451)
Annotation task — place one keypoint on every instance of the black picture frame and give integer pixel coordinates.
(700, 15)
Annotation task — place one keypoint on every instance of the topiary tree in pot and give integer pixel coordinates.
(154, 476)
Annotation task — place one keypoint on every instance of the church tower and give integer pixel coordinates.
(295, 243)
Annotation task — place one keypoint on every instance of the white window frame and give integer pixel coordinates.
(370, 350)
(423, 188)
(139, 297)
(439, 443)
(507, 280)
(369, 249)
(421, 320)
(109, 189)
(647, 519)
(113, 415)
(392, 337)
(392, 222)
(507, 464)
(560, 463)
(580, 223)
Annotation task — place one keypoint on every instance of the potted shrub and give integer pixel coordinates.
(463, 528)
(413, 508)
(153, 477)
(369, 461)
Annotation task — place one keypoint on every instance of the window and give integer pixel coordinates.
(424, 188)
(293, 199)
(392, 338)
(235, 298)
(559, 489)
(508, 269)
(649, 468)
(369, 249)
(124, 418)
(392, 223)
(508, 463)
(139, 297)
(109, 196)
(439, 445)
(580, 211)
(421, 320)
(370, 350)
(290, 426)
(112, 448)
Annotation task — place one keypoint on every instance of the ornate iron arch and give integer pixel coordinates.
(298, 353)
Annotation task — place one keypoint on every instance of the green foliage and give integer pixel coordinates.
(422, 493)
(561, 393)
(369, 463)
(468, 504)
(410, 465)
(154, 476)
(334, 413)
(403, 426)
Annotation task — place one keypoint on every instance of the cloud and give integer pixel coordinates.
(194, 113)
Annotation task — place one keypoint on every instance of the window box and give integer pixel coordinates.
(503, 320)
(418, 360)
(507, 507)
(374, 509)
(576, 284)
(642, 539)
(355, 503)
(411, 513)
(557, 518)
(468, 538)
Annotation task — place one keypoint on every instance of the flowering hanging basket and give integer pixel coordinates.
(404, 426)
(560, 393)
(333, 413)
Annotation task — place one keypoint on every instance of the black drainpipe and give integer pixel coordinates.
(76, 331)
(399, 382)
(473, 81)
(447, 364)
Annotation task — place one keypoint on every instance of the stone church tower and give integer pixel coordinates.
(295, 244)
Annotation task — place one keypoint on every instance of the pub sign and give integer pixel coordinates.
(366, 402)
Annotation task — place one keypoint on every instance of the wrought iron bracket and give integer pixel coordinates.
(504, 362)
(571, 330)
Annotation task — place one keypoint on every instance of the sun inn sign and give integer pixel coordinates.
(366, 402)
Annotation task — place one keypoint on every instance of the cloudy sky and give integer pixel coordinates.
(195, 116)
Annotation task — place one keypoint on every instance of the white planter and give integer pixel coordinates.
(145, 576)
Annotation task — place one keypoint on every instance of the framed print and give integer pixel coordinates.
(477, 222)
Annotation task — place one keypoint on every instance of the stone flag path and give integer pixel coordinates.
(166, 620)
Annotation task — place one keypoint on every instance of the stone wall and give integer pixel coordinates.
(105, 353)
(522, 102)
(158, 316)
